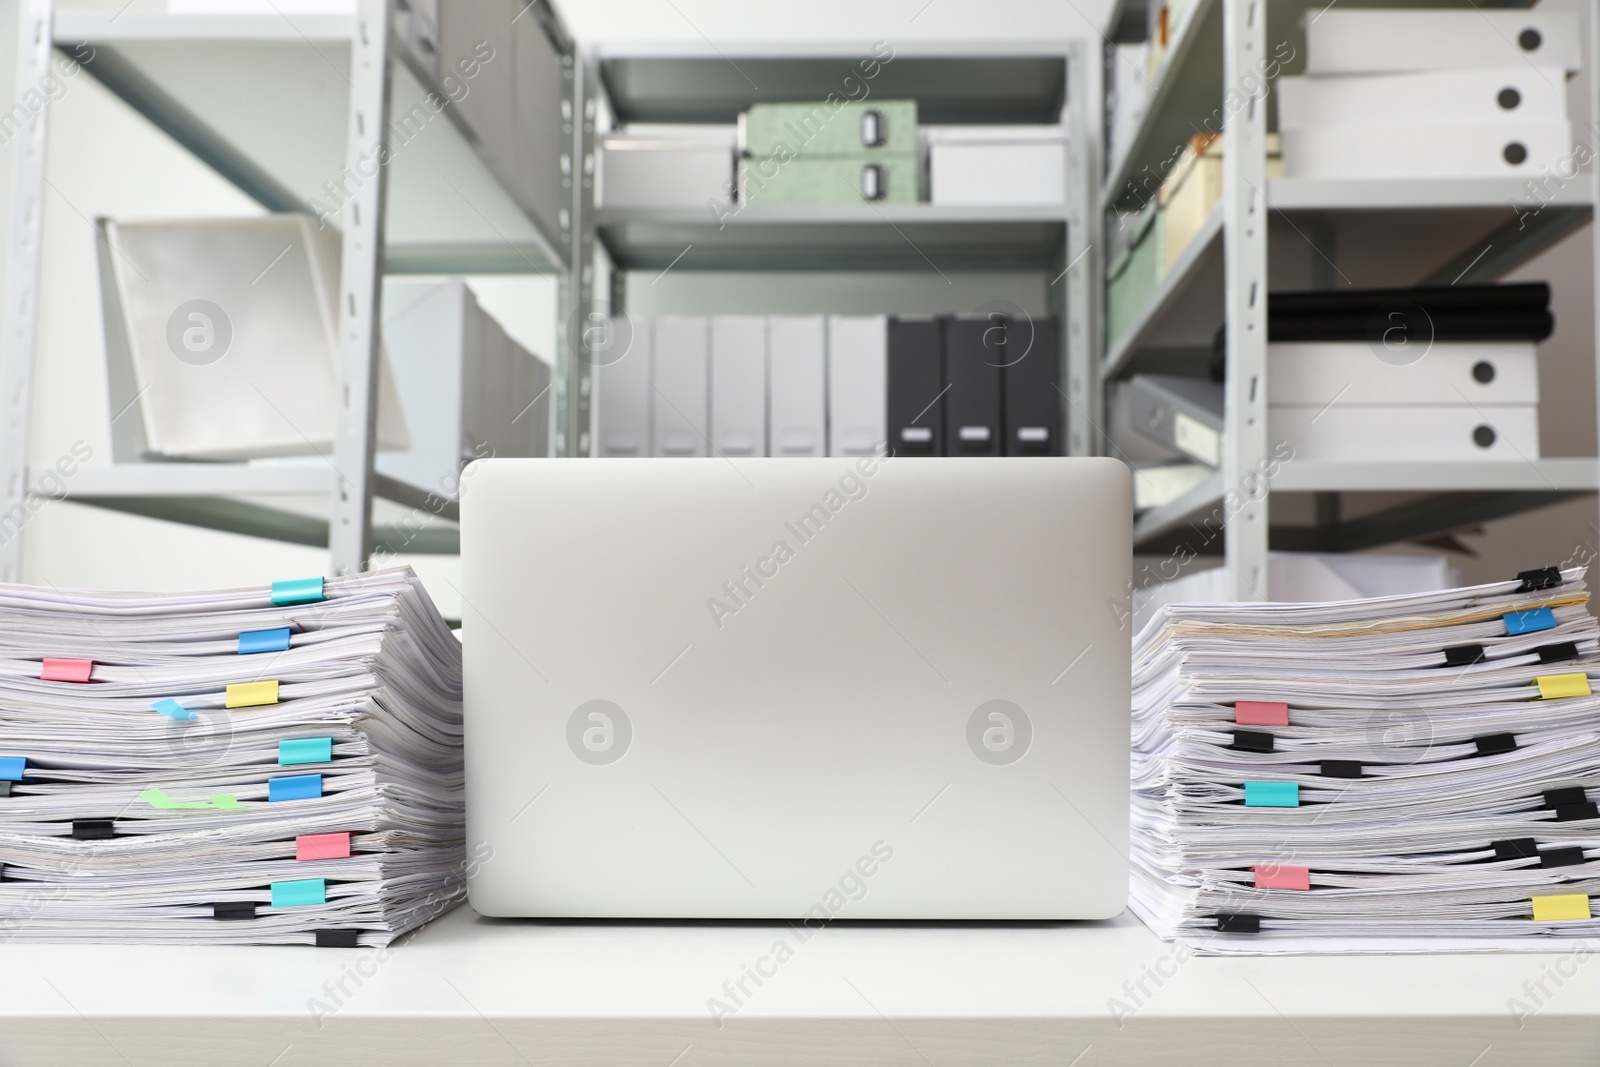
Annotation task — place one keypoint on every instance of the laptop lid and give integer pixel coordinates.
(787, 688)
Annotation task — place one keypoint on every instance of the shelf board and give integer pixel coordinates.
(1417, 194)
(1186, 89)
(1559, 474)
(280, 502)
(847, 237)
(503, 993)
(264, 101)
(996, 81)
(1197, 276)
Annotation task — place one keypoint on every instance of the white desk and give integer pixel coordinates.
(472, 991)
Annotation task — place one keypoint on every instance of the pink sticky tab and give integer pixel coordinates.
(1260, 713)
(1279, 877)
(322, 846)
(66, 670)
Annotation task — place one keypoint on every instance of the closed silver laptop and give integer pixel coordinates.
(872, 688)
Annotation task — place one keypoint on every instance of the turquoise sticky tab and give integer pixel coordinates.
(1530, 621)
(297, 591)
(1271, 795)
(297, 787)
(301, 891)
(264, 641)
(305, 750)
(12, 768)
(173, 710)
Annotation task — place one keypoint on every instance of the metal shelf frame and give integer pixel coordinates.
(213, 495)
(1222, 278)
(1015, 81)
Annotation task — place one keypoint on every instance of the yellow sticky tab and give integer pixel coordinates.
(1554, 909)
(1563, 685)
(252, 694)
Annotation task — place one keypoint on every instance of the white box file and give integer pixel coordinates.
(671, 167)
(1433, 98)
(1485, 151)
(1003, 165)
(623, 396)
(1449, 373)
(797, 370)
(739, 385)
(471, 391)
(1361, 41)
(1399, 433)
(211, 355)
(858, 383)
(680, 380)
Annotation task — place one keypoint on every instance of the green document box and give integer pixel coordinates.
(894, 180)
(868, 128)
(1132, 277)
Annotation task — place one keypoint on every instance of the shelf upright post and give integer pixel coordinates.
(1244, 244)
(575, 369)
(22, 285)
(1083, 291)
(1592, 18)
(361, 289)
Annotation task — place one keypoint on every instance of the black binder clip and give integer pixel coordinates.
(1561, 857)
(1521, 848)
(233, 909)
(1341, 768)
(92, 829)
(1238, 923)
(337, 938)
(1252, 741)
(1495, 744)
(1565, 797)
(1463, 655)
(1558, 653)
(1538, 579)
(1578, 812)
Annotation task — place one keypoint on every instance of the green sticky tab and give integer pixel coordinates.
(157, 799)
(305, 750)
(225, 801)
(1271, 795)
(299, 892)
(297, 591)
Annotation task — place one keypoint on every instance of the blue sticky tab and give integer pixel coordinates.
(297, 591)
(305, 750)
(12, 768)
(297, 787)
(300, 891)
(264, 641)
(1271, 795)
(1529, 622)
(173, 710)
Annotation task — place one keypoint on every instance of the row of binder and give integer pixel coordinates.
(837, 385)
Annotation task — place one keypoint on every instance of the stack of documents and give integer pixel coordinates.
(1414, 771)
(250, 766)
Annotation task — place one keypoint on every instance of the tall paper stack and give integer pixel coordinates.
(248, 766)
(1409, 772)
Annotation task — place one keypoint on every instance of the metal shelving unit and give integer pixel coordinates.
(1430, 232)
(305, 98)
(1009, 82)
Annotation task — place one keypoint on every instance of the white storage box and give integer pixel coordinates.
(996, 165)
(797, 397)
(622, 393)
(666, 167)
(1428, 98)
(858, 383)
(1482, 151)
(222, 338)
(1343, 40)
(739, 385)
(1451, 372)
(472, 392)
(1398, 433)
(680, 379)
